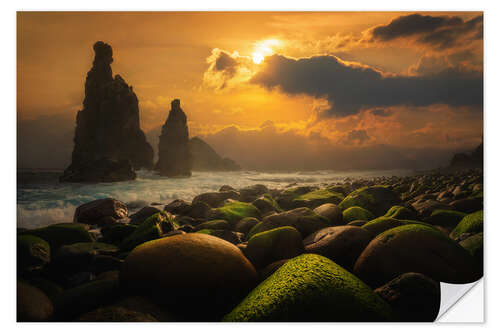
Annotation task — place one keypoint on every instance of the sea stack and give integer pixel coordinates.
(174, 157)
(109, 143)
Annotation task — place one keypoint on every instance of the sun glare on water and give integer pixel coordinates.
(263, 49)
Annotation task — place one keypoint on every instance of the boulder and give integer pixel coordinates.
(115, 314)
(77, 257)
(234, 211)
(425, 208)
(356, 213)
(213, 224)
(174, 158)
(202, 273)
(474, 244)
(311, 288)
(198, 210)
(246, 224)
(471, 223)
(286, 197)
(32, 253)
(32, 304)
(381, 224)
(116, 233)
(303, 219)
(317, 198)
(108, 127)
(252, 192)
(401, 213)
(331, 212)
(62, 234)
(467, 205)
(227, 235)
(273, 245)
(215, 199)
(178, 207)
(447, 219)
(341, 244)
(154, 227)
(413, 296)
(143, 214)
(96, 212)
(376, 199)
(413, 248)
(266, 204)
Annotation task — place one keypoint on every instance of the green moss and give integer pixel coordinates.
(214, 224)
(269, 198)
(383, 223)
(472, 223)
(237, 210)
(356, 213)
(32, 252)
(311, 288)
(318, 197)
(473, 244)
(152, 228)
(445, 218)
(377, 199)
(62, 234)
(255, 229)
(401, 213)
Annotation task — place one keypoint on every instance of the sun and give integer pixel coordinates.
(264, 49)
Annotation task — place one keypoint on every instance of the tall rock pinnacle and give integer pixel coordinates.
(108, 136)
(174, 157)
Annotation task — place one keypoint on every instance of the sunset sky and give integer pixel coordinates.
(270, 90)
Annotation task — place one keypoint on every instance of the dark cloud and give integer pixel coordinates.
(225, 62)
(381, 112)
(437, 31)
(349, 88)
(355, 137)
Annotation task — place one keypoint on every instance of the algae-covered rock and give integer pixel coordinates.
(62, 234)
(331, 212)
(342, 244)
(214, 199)
(199, 275)
(303, 219)
(357, 223)
(32, 253)
(356, 213)
(213, 224)
(115, 314)
(381, 224)
(472, 223)
(445, 218)
(227, 235)
(246, 224)
(273, 245)
(311, 288)
(413, 297)
(116, 233)
(415, 248)
(377, 199)
(266, 204)
(154, 227)
(143, 214)
(252, 192)
(474, 244)
(234, 211)
(286, 197)
(316, 198)
(32, 304)
(401, 213)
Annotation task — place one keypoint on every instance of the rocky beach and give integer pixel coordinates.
(366, 249)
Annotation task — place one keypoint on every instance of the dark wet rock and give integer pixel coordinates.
(48, 287)
(357, 223)
(425, 208)
(115, 314)
(447, 219)
(103, 263)
(285, 198)
(178, 207)
(413, 296)
(266, 204)
(77, 279)
(183, 220)
(331, 212)
(250, 193)
(413, 248)
(32, 304)
(205, 158)
(215, 199)
(143, 214)
(205, 274)
(474, 244)
(213, 224)
(467, 205)
(470, 224)
(108, 127)
(61, 234)
(187, 228)
(273, 245)
(376, 199)
(225, 188)
(153, 228)
(246, 224)
(32, 253)
(227, 235)
(315, 283)
(96, 212)
(116, 233)
(199, 210)
(173, 149)
(341, 244)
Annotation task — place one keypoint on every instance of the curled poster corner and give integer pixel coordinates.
(451, 294)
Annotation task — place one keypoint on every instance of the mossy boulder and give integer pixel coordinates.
(316, 198)
(115, 314)
(311, 288)
(246, 224)
(116, 233)
(413, 297)
(86, 297)
(214, 225)
(32, 304)
(234, 211)
(77, 257)
(471, 223)
(381, 224)
(331, 212)
(356, 213)
(266, 204)
(303, 219)
(401, 213)
(286, 197)
(153, 228)
(61, 234)
(273, 245)
(215, 199)
(199, 272)
(474, 244)
(252, 192)
(425, 208)
(143, 214)
(447, 219)
(227, 235)
(342, 244)
(415, 248)
(377, 199)
(32, 253)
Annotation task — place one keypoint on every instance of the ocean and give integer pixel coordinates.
(42, 200)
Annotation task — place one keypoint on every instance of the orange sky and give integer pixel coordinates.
(168, 55)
